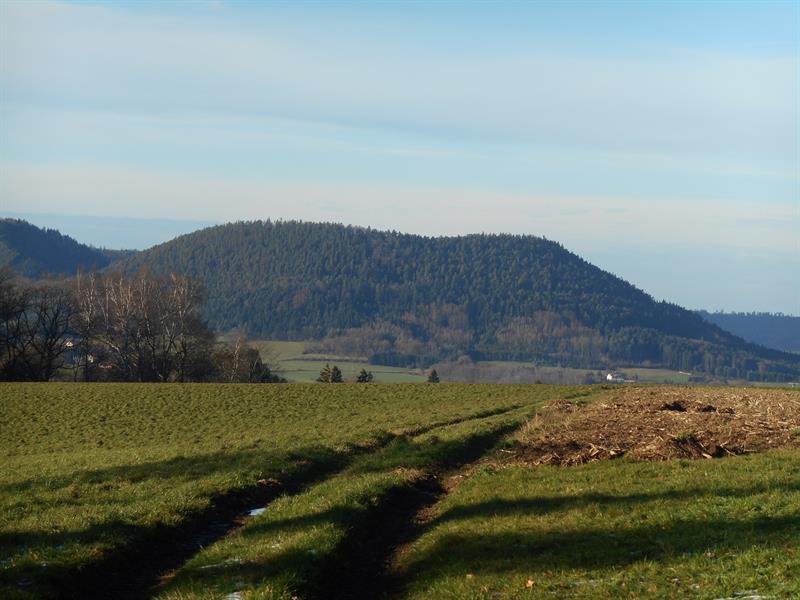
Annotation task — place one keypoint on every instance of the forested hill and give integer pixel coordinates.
(781, 332)
(407, 299)
(34, 252)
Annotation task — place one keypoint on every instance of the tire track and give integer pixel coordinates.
(361, 566)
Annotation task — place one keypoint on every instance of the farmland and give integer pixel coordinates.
(295, 364)
(407, 491)
(93, 468)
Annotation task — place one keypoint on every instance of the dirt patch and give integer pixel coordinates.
(660, 424)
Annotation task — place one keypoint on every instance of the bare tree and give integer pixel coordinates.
(34, 328)
(48, 329)
(14, 303)
(147, 328)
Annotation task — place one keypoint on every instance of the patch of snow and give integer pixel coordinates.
(256, 511)
(230, 561)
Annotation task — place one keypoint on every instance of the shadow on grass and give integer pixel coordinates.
(401, 453)
(548, 504)
(187, 467)
(373, 526)
(492, 412)
(594, 548)
(140, 554)
(358, 567)
(203, 465)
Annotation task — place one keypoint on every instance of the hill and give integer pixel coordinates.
(778, 331)
(35, 252)
(403, 299)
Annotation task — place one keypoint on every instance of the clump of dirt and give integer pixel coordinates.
(649, 423)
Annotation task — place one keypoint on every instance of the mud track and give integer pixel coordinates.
(137, 570)
(134, 571)
(361, 568)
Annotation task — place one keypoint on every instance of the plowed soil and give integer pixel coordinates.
(661, 423)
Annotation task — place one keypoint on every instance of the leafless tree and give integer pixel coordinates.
(148, 328)
(34, 328)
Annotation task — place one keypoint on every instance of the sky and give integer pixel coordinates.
(660, 141)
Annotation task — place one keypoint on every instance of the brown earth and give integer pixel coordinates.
(660, 423)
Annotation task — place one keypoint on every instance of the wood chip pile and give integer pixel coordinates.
(661, 423)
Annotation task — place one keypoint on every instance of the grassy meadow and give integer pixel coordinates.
(91, 468)
(399, 491)
(293, 363)
(616, 529)
(296, 365)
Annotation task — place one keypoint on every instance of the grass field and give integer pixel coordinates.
(657, 375)
(280, 350)
(308, 371)
(297, 366)
(293, 547)
(681, 529)
(644, 375)
(101, 482)
(91, 468)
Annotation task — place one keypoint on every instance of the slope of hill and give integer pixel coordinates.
(34, 252)
(405, 299)
(781, 332)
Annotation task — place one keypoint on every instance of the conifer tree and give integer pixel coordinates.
(330, 374)
(325, 374)
(433, 376)
(364, 376)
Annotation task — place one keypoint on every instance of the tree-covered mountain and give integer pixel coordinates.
(404, 299)
(34, 252)
(778, 331)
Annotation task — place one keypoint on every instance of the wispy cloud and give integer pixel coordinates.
(682, 102)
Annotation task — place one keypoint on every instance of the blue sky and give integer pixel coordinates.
(661, 141)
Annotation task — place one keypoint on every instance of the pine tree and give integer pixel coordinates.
(364, 376)
(433, 377)
(325, 374)
(336, 375)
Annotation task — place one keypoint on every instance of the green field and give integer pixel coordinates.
(308, 371)
(682, 529)
(91, 468)
(293, 363)
(101, 481)
(280, 350)
(656, 375)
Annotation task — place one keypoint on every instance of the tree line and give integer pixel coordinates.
(112, 327)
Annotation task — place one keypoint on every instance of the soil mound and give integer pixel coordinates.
(647, 423)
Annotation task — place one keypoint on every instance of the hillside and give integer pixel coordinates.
(34, 252)
(781, 332)
(405, 299)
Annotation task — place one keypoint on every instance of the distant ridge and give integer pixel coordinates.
(407, 299)
(34, 252)
(781, 332)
